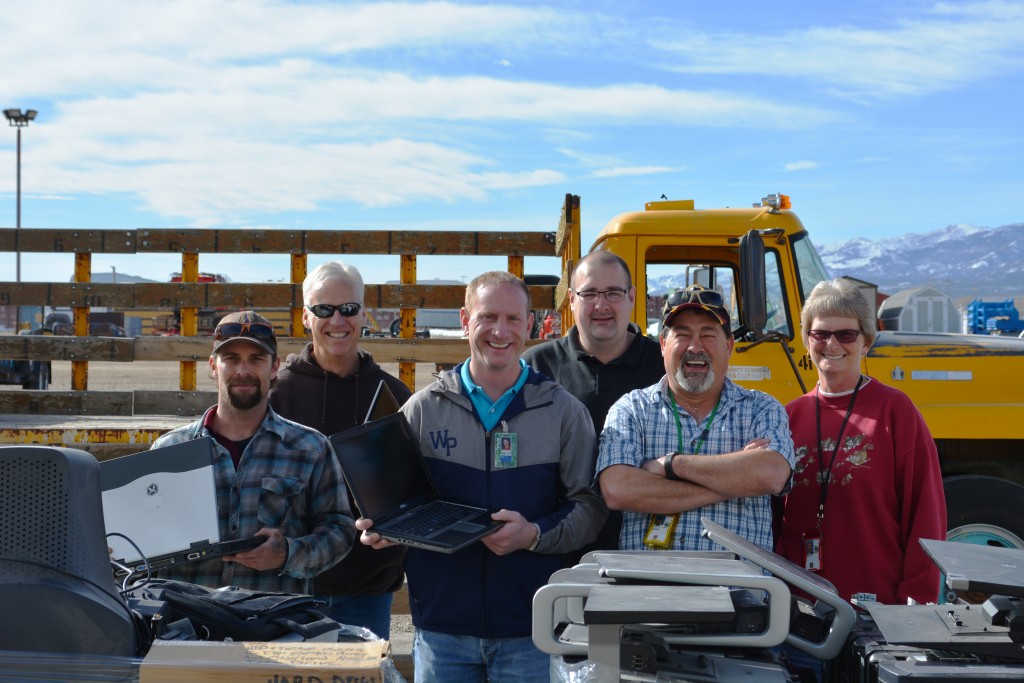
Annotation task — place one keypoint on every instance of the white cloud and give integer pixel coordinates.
(953, 45)
(632, 171)
(801, 165)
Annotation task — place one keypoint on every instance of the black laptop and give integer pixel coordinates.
(383, 404)
(388, 477)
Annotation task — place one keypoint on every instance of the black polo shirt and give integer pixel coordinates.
(598, 385)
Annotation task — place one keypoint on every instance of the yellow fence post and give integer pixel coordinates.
(189, 319)
(80, 368)
(407, 370)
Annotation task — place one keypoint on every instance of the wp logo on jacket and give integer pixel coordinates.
(441, 440)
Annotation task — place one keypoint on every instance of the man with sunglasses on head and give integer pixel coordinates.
(329, 386)
(603, 356)
(695, 444)
(275, 479)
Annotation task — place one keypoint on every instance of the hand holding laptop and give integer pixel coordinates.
(271, 554)
(515, 534)
(369, 537)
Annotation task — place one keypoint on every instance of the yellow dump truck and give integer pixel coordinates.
(968, 387)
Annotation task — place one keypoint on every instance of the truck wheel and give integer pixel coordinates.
(396, 327)
(985, 511)
(39, 377)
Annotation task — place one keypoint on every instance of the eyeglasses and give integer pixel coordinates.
(327, 310)
(260, 331)
(842, 336)
(612, 296)
(694, 294)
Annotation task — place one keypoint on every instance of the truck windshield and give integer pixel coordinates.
(810, 269)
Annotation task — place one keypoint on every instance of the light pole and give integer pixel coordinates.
(19, 120)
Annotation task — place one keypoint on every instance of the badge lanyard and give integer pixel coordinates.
(826, 479)
(661, 529)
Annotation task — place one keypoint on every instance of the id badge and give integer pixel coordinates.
(812, 551)
(506, 450)
(661, 531)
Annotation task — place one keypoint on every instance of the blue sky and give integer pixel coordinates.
(878, 118)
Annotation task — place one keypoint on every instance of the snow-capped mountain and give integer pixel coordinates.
(960, 260)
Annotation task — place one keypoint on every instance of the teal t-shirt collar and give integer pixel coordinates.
(487, 411)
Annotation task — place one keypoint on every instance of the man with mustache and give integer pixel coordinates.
(695, 444)
(275, 478)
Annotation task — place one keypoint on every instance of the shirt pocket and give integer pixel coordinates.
(282, 502)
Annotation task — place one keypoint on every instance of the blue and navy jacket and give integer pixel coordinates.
(475, 592)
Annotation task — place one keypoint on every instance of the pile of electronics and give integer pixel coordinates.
(746, 614)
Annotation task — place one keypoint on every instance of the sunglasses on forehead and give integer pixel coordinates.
(259, 331)
(695, 294)
(327, 310)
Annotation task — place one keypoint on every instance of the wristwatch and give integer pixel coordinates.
(536, 541)
(669, 472)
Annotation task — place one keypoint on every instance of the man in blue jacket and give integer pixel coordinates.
(472, 609)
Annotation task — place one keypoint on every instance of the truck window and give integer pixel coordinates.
(665, 278)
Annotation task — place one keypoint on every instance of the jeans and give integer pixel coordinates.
(369, 611)
(446, 658)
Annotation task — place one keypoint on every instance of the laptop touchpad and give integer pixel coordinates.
(466, 527)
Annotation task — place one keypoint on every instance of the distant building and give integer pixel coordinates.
(920, 309)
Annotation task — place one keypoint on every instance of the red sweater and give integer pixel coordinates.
(885, 493)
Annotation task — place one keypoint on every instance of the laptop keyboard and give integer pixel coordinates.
(429, 518)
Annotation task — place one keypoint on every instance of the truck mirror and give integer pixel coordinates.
(753, 291)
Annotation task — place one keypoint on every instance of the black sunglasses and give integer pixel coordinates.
(260, 331)
(694, 294)
(327, 310)
(842, 336)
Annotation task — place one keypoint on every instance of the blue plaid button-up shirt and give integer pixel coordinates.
(288, 478)
(641, 426)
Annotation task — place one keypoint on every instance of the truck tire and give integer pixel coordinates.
(985, 511)
(38, 376)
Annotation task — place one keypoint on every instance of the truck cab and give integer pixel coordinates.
(762, 261)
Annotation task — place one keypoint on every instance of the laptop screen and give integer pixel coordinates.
(383, 467)
(383, 404)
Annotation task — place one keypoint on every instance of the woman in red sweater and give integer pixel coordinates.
(867, 483)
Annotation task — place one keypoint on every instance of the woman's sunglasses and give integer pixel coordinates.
(842, 336)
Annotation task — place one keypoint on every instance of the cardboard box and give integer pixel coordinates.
(219, 662)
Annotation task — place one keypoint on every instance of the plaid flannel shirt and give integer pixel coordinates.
(288, 478)
(641, 426)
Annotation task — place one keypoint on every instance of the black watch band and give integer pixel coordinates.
(669, 472)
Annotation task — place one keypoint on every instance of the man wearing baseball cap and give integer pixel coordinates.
(695, 444)
(276, 479)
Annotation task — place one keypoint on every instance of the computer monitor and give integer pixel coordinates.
(56, 584)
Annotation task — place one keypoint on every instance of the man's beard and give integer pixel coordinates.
(245, 401)
(695, 383)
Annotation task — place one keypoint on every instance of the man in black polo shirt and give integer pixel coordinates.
(603, 356)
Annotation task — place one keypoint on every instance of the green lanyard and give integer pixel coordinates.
(679, 425)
